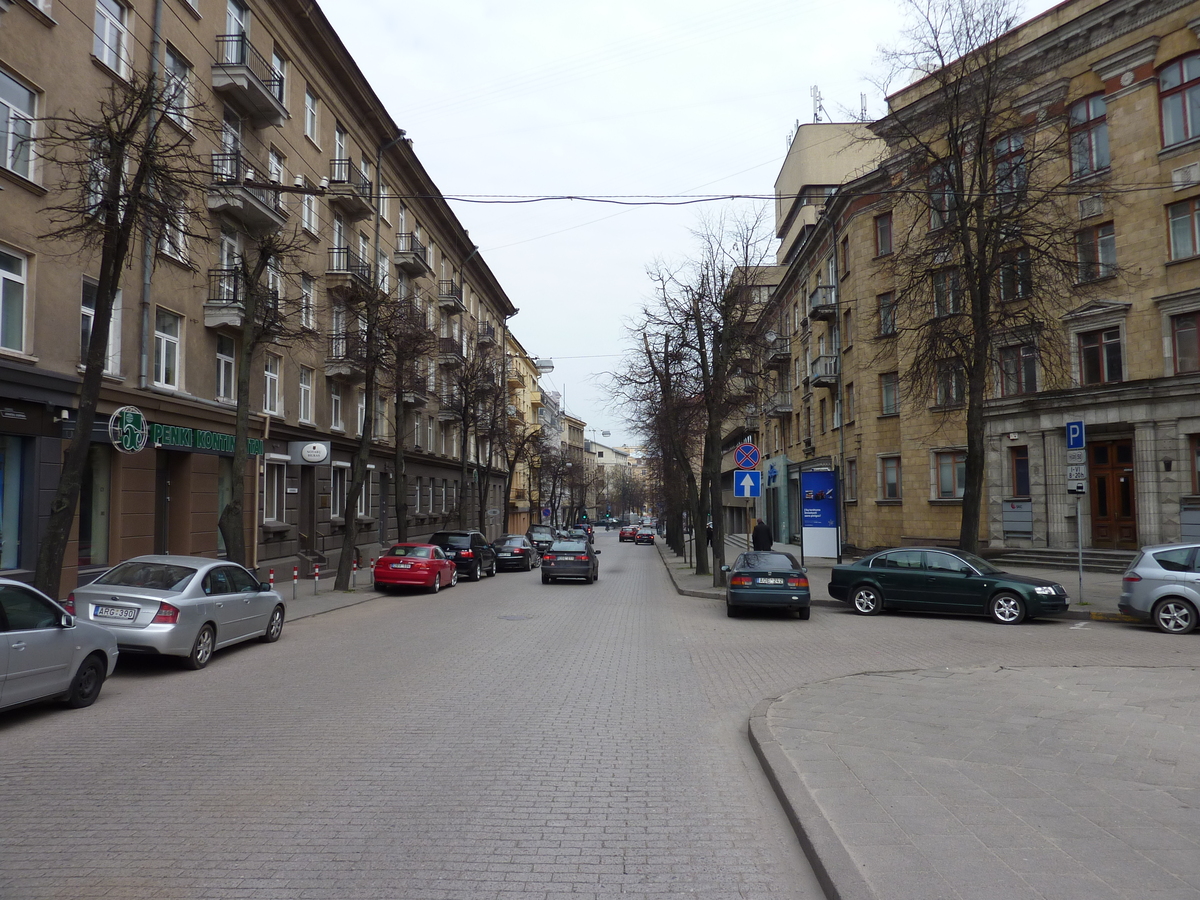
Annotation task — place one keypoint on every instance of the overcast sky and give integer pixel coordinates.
(629, 97)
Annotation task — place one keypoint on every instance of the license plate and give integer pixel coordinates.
(769, 580)
(116, 612)
(504, 554)
(401, 565)
(565, 559)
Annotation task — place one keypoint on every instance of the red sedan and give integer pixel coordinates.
(415, 565)
(628, 533)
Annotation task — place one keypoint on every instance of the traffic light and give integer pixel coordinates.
(585, 515)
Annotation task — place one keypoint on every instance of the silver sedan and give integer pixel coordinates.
(46, 653)
(188, 606)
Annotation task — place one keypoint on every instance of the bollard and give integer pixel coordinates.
(295, 580)
(354, 574)
(316, 577)
(271, 578)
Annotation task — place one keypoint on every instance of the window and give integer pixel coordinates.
(363, 507)
(337, 491)
(308, 293)
(335, 406)
(110, 45)
(1179, 99)
(1018, 458)
(310, 114)
(16, 125)
(883, 234)
(1089, 136)
(226, 369)
(889, 393)
(385, 202)
(950, 384)
(850, 480)
(172, 241)
(850, 402)
(445, 495)
(947, 293)
(1016, 276)
(308, 209)
(274, 492)
(87, 319)
(272, 398)
(417, 495)
(279, 64)
(429, 426)
(942, 198)
(889, 468)
(177, 81)
(1018, 370)
(1185, 334)
(167, 328)
(362, 411)
(887, 314)
(306, 383)
(951, 474)
(1096, 251)
(845, 256)
(1011, 176)
(1195, 441)
(1184, 219)
(821, 415)
(1100, 356)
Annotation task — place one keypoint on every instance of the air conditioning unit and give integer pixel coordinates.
(1185, 176)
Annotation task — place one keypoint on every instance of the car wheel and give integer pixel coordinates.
(85, 686)
(274, 625)
(804, 612)
(378, 587)
(477, 572)
(202, 649)
(1007, 609)
(1175, 616)
(867, 601)
(732, 611)
(495, 567)
(528, 564)
(453, 577)
(545, 578)
(437, 583)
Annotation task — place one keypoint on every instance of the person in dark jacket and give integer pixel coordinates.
(761, 537)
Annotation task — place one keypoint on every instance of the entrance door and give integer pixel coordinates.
(162, 502)
(1114, 523)
(307, 526)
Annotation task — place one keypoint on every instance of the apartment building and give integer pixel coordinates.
(304, 149)
(1114, 81)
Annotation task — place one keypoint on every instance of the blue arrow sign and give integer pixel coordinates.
(747, 484)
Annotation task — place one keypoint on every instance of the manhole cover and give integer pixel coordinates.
(515, 618)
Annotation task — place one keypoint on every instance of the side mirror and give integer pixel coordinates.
(263, 586)
(67, 621)
(597, 552)
(804, 570)
(725, 569)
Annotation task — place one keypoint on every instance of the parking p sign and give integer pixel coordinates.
(1076, 439)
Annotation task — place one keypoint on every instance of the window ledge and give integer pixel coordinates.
(945, 501)
(1088, 178)
(113, 377)
(272, 527)
(894, 415)
(18, 179)
(40, 14)
(365, 520)
(1180, 148)
(889, 502)
(1182, 259)
(18, 356)
(337, 520)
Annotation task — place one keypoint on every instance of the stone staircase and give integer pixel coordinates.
(1114, 561)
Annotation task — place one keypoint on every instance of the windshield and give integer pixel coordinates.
(981, 565)
(157, 576)
(453, 540)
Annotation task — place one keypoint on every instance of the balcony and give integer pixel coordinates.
(417, 397)
(346, 352)
(226, 303)
(411, 256)
(779, 353)
(450, 353)
(450, 298)
(248, 80)
(487, 335)
(257, 209)
(822, 303)
(778, 406)
(535, 400)
(448, 413)
(349, 190)
(346, 270)
(516, 415)
(515, 378)
(824, 371)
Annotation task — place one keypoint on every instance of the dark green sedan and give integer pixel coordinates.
(936, 580)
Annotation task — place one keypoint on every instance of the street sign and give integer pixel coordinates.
(1076, 487)
(747, 484)
(746, 456)
(1076, 437)
(1077, 473)
(546, 512)
(1076, 457)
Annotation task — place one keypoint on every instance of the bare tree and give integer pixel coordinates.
(126, 175)
(985, 251)
(411, 341)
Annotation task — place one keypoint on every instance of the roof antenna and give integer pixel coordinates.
(817, 108)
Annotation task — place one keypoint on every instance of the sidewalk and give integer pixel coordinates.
(1098, 600)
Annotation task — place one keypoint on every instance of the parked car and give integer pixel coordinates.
(1162, 585)
(48, 654)
(514, 551)
(627, 533)
(415, 565)
(571, 559)
(187, 606)
(936, 580)
(645, 535)
(470, 551)
(767, 580)
(541, 536)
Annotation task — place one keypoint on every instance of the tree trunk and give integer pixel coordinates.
(358, 475)
(400, 462)
(232, 521)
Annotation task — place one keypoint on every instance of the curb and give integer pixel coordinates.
(836, 871)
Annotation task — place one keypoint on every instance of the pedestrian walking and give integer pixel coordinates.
(708, 533)
(761, 536)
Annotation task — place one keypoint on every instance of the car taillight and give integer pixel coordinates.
(741, 581)
(69, 603)
(583, 557)
(797, 582)
(1132, 576)
(467, 554)
(518, 550)
(549, 557)
(166, 615)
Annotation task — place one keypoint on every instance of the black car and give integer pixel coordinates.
(514, 551)
(571, 559)
(767, 580)
(470, 550)
(645, 535)
(936, 580)
(541, 536)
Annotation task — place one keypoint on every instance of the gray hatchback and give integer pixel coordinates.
(1163, 585)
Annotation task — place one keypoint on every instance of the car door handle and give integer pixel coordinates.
(19, 645)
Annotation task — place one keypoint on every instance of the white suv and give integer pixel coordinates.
(1163, 585)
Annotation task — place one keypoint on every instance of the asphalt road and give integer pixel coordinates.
(499, 740)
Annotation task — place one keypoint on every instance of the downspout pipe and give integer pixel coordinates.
(148, 241)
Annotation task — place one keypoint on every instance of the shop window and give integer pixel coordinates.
(94, 506)
(1096, 252)
(12, 480)
(1100, 356)
(1018, 370)
(1018, 458)
(951, 469)
(16, 125)
(1179, 99)
(1195, 442)
(889, 482)
(1088, 126)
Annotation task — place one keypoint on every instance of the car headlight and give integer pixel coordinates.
(1048, 589)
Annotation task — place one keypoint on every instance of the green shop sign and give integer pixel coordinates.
(178, 437)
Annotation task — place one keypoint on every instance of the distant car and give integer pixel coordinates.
(627, 533)
(767, 580)
(415, 565)
(541, 536)
(578, 534)
(470, 551)
(1162, 585)
(571, 559)
(48, 654)
(645, 535)
(187, 606)
(585, 526)
(935, 580)
(514, 551)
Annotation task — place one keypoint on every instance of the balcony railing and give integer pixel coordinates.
(241, 71)
(343, 259)
(487, 334)
(824, 371)
(822, 303)
(411, 256)
(349, 189)
(450, 297)
(779, 352)
(450, 352)
(779, 405)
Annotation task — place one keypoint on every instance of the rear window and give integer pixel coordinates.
(766, 561)
(1176, 560)
(509, 542)
(452, 540)
(156, 576)
(541, 530)
(570, 546)
(415, 552)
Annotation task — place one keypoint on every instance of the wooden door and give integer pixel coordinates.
(1110, 472)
